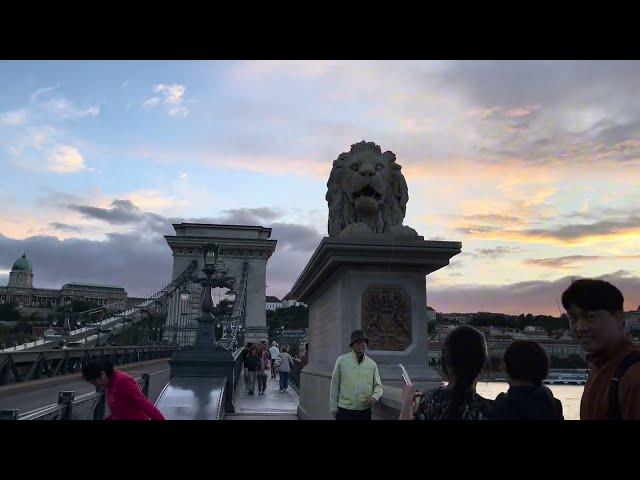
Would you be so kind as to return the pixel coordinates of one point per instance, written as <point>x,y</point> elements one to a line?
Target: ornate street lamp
<point>67,310</point>
<point>184,293</point>
<point>213,278</point>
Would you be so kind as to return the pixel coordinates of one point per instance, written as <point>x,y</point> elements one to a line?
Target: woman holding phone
<point>464,353</point>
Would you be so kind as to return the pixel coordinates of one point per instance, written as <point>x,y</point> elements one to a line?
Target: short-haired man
<point>596,317</point>
<point>355,383</point>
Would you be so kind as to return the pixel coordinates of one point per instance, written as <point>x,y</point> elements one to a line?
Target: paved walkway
<point>274,405</point>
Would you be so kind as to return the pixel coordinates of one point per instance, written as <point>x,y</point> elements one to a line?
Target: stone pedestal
<point>205,362</point>
<point>372,283</point>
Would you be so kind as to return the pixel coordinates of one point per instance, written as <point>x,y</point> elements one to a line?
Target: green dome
<point>22,264</point>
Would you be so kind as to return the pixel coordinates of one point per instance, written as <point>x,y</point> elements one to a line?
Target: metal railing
<point>19,367</point>
<point>117,318</point>
<point>90,406</point>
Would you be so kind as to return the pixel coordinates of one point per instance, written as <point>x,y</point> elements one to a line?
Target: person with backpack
<point>527,365</point>
<point>596,318</point>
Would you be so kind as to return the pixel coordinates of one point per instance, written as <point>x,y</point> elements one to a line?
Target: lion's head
<point>366,186</point>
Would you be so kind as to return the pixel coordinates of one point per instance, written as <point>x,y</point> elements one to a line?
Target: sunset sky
<point>532,165</point>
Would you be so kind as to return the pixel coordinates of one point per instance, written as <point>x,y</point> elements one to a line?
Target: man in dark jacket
<point>252,362</point>
<point>243,358</point>
<point>527,365</point>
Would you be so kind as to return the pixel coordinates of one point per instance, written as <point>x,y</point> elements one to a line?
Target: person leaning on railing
<point>125,400</point>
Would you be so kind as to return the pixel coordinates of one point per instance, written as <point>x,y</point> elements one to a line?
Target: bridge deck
<point>274,405</point>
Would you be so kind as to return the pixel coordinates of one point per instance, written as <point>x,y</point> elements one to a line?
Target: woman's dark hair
<point>464,353</point>
<point>590,294</point>
<point>526,360</point>
<point>95,367</point>
<point>284,349</point>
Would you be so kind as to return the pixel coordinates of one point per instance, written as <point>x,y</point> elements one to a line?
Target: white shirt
<point>275,353</point>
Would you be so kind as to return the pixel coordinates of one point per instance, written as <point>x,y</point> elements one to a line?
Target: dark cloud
<point>138,264</point>
<point>512,83</point>
<point>248,216</point>
<point>560,262</point>
<point>140,259</point>
<point>585,110</point>
<point>497,252</point>
<point>493,218</point>
<point>476,229</point>
<point>581,230</point>
<point>124,212</point>
<point>570,260</point>
<point>537,297</point>
<point>569,232</point>
<point>63,227</point>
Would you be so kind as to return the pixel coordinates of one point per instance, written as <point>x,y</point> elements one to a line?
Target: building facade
<point>20,290</point>
<point>273,303</point>
<point>632,320</point>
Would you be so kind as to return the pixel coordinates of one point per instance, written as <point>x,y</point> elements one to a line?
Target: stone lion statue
<point>367,194</point>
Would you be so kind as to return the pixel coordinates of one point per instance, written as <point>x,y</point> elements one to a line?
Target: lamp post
<point>208,358</point>
<point>66,329</point>
<point>213,278</point>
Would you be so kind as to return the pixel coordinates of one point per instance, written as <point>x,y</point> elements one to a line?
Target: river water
<point>569,395</point>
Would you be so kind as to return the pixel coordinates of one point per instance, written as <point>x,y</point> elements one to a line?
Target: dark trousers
<point>284,380</point>
<point>273,370</point>
<point>262,382</point>
<point>345,414</point>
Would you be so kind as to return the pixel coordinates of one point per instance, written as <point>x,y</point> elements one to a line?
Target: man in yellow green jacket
<point>355,383</point>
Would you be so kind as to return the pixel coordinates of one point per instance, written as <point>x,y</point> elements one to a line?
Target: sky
<point>532,165</point>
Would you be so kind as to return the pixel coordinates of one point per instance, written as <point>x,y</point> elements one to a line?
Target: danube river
<point>569,395</point>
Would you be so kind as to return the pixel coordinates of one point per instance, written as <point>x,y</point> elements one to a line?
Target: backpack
<point>614,387</point>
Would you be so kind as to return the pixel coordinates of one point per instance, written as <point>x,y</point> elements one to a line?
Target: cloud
<point>569,261</point>
<point>537,297</point>
<point>152,102</point>
<point>572,234</point>
<point>45,102</point>
<point>138,264</point>
<point>65,227</point>
<point>493,218</point>
<point>124,212</point>
<point>14,118</point>
<point>66,159</point>
<point>497,252</point>
<point>170,95</point>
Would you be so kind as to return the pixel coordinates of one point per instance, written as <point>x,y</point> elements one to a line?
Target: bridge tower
<point>238,244</point>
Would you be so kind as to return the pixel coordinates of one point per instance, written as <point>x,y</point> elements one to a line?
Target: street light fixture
<point>184,293</point>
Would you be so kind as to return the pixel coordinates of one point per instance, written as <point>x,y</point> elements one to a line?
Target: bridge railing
<point>237,371</point>
<point>114,320</point>
<point>90,406</point>
<point>19,367</point>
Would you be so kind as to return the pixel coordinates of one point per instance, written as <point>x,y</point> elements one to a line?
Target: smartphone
<point>405,375</point>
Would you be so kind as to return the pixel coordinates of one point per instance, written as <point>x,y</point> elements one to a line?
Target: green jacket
<point>353,383</point>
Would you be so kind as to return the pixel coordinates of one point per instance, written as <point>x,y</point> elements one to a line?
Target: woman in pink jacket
<point>125,400</point>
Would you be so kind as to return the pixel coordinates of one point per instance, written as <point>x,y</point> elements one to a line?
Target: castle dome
<point>22,264</point>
